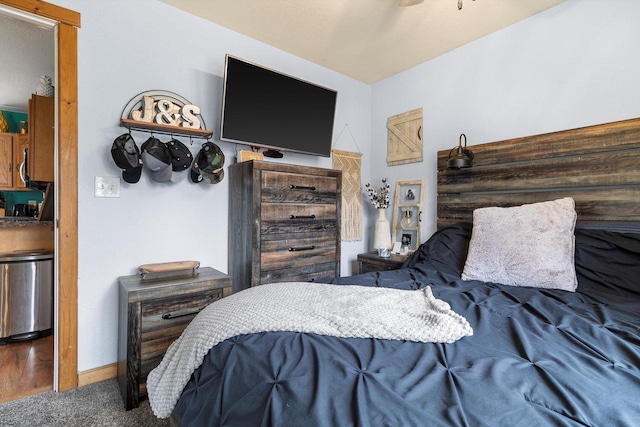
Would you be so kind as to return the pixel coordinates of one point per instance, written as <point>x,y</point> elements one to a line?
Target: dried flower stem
<point>379,200</point>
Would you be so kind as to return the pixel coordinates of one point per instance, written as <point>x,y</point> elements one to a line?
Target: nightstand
<point>371,261</point>
<point>153,312</point>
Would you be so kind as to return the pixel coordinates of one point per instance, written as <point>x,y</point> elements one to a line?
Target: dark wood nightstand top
<point>169,284</point>
<point>371,261</point>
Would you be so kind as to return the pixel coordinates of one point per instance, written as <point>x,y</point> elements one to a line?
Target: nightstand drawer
<point>166,313</point>
<point>163,320</point>
<point>371,261</point>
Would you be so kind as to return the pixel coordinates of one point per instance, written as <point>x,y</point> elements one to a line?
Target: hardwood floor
<point>26,368</point>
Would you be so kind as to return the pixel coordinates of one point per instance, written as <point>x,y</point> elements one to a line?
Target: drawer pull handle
<point>302,216</point>
<point>168,316</point>
<point>302,248</point>
<point>302,187</point>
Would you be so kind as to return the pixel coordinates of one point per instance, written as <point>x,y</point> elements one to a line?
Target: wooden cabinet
<point>284,223</point>
<point>41,138</point>
<point>153,312</point>
<point>12,147</point>
<point>39,143</point>
<point>371,261</point>
<point>20,143</point>
<point>6,160</point>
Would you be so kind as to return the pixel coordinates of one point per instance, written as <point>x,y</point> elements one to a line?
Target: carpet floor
<point>94,405</point>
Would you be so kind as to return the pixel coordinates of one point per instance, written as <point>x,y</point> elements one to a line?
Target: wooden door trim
<point>46,10</point>
<point>67,128</point>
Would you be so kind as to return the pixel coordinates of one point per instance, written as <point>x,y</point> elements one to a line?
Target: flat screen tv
<point>265,108</point>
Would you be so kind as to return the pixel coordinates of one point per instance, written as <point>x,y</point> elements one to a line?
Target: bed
<point>536,354</point>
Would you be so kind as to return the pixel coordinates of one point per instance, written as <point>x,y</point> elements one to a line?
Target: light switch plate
<point>107,186</point>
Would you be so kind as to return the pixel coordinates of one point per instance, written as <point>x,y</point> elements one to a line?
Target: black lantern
<point>463,157</point>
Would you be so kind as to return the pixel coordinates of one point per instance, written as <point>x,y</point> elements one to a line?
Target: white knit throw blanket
<point>334,310</point>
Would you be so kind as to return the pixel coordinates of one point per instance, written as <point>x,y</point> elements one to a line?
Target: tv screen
<point>264,108</point>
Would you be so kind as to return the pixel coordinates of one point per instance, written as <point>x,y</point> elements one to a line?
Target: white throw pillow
<point>528,245</point>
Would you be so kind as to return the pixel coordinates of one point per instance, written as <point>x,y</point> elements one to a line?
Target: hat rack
<point>137,104</point>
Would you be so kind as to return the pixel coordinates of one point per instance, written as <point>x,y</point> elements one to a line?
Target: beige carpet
<point>94,405</point>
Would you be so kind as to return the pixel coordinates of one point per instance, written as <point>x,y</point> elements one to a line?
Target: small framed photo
<point>407,212</point>
<point>410,195</point>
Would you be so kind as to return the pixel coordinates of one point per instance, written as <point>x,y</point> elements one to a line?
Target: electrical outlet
<point>107,186</point>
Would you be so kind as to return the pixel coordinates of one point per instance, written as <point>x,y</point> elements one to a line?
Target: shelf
<point>165,129</point>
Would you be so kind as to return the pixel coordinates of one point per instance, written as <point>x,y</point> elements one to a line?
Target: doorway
<point>66,23</point>
<point>27,361</point>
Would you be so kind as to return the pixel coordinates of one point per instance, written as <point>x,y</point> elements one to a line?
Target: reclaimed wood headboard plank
<point>591,139</point>
<point>599,166</point>
<point>609,169</point>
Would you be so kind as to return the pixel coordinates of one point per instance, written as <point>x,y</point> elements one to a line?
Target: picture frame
<point>407,202</point>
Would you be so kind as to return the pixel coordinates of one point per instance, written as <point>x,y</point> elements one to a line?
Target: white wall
<point>128,47</point>
<point>27,53</point>
<point>573,65</point>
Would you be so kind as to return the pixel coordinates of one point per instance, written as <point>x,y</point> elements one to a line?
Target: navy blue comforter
<point>537,357</point>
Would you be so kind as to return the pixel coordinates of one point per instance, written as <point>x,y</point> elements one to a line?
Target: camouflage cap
<point>208,164</point>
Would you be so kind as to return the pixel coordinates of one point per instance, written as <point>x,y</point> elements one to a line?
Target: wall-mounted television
<point>265,108</point>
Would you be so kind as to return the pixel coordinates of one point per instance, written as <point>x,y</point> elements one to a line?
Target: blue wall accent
<point>13,197</point>
<point>14,118</point>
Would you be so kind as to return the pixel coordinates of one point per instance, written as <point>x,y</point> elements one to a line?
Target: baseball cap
<point>208,164</point>
<point>181,159</point>
<point>126,156</point>
<point>156,158</point>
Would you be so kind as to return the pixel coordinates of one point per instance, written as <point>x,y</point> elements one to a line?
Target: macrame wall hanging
<point>350,164</point>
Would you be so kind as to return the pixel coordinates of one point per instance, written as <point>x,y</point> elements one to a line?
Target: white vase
<point>382,232</point>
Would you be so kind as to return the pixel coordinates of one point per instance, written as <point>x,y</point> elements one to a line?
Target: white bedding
<point>341,311</point>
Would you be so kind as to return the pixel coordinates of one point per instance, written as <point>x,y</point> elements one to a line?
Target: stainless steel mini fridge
<point>26,295</point>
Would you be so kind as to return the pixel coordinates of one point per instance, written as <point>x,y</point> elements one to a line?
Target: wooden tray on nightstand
<point>169,267</point>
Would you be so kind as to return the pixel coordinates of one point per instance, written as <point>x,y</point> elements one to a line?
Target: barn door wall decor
<point>404,138</point>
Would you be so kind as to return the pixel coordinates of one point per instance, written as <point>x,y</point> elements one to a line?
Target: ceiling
<point>368,40</point>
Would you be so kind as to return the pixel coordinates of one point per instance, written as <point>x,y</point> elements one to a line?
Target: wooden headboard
<point>599,166</point>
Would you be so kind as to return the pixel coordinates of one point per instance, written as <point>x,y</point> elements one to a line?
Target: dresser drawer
<point>322,273</point>
<point>163,320</point>
<point>279,187</point>
<point>310,257</point>
<point>294,218</point>
<point>287,253</point>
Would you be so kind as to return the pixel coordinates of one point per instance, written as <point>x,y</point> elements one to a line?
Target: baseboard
<point>97,374</point>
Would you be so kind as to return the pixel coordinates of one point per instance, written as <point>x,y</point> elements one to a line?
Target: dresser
<point>284,223</point>
<point>153,312</point>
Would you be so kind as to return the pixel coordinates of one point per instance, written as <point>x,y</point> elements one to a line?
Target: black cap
<point>157,160</point>
<point>126,156</point>
<point>181,159</point>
